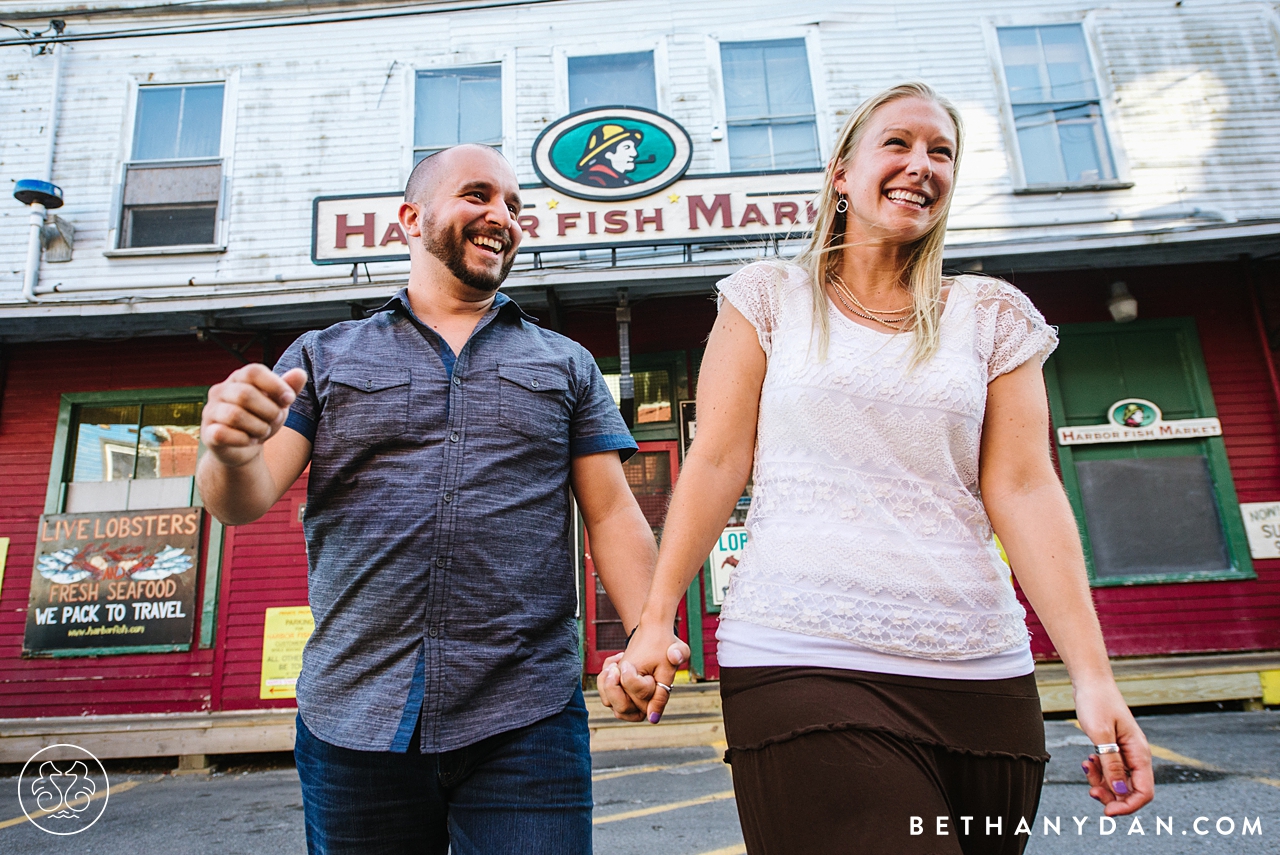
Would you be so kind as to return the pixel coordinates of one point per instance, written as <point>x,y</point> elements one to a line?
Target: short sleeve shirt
<point>437,523</point>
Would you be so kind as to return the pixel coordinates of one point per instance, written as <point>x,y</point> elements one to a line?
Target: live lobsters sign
<point>119,580</point>
<point>612,177</point>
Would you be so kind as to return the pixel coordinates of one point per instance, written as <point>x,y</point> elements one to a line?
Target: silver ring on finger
<point>1107,748</point>
<point>663,685</point>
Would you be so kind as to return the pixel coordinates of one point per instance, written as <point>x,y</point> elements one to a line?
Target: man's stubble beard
<point>450,246</point>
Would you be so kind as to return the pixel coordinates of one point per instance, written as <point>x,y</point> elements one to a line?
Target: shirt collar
<point>501,302</point>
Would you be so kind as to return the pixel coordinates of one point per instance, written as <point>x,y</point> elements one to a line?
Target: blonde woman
<point>876,671</point>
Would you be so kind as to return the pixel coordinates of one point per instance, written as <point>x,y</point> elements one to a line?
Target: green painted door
<point>1155,511</point>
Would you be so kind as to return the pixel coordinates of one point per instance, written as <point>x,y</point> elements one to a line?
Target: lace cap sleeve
<point>754,291</point>
<point>1011,329</point>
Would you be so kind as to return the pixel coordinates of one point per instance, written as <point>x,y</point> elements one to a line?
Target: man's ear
<point>411,219</point>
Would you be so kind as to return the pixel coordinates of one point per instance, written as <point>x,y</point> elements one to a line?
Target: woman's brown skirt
<point>829,761</point>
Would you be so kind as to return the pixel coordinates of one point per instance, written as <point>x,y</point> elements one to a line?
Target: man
<point>440,701</point>
<point>610,153</point>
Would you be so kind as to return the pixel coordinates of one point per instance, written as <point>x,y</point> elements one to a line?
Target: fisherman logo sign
<point>612,153</point>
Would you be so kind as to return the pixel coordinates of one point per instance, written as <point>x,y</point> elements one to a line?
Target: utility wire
<point>301,20</point>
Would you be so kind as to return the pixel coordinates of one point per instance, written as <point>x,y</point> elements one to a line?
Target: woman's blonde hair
<point>923,271</point>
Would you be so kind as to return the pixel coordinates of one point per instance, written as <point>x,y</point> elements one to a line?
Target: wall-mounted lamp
<point>1122,305</point>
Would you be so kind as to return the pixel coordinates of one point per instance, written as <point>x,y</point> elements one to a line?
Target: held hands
<point>1122,781</point>
<point>246,410</point>
<point>629,682</point>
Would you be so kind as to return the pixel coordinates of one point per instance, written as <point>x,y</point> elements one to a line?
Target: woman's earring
<point>842,205</point>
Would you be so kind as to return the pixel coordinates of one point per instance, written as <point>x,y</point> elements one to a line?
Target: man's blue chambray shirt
<point>437,524</point>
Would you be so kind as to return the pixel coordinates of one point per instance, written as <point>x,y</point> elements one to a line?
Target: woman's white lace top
<point>865,523</point>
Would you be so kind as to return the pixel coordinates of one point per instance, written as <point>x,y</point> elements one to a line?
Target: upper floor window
<point>768,101</point>
<point>173,182</point>
<point>617,79</point>
<point>457,105</point>
<point>1057,110</point>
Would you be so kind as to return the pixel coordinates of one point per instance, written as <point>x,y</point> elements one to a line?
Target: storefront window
<point>131,456</point>
<point>1161,506</point>
<point>653,395</point>
<point>612,80</point>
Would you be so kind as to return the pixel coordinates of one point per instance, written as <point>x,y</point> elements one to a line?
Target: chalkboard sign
<point>1152,515</point>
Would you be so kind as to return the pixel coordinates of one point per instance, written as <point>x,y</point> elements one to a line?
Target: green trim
<point>1213,448</point>
<point>212,579</point>
<point>697,659</point>
<point>115,651</point>
<point>712,608</point>
<point>53,495</point>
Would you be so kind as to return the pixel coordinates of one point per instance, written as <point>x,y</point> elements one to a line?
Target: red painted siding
<point>264,566</point>
<point>265,563</point>
<point>1197,617</point>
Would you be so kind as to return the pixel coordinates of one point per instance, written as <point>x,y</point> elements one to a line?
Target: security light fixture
<point>1122,305</point>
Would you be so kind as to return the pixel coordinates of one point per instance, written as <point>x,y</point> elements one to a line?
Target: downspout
<point>1252,287</point>
<point>626,383</point>
<point>32,273</point>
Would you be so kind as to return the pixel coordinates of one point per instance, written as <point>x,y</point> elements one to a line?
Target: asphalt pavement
<point>1218,791</point>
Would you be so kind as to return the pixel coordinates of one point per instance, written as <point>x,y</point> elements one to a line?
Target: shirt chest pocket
<point>532,401</point>
<point>368,406</point>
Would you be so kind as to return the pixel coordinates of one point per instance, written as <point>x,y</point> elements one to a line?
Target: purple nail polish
<point>1120,788</point>
<point>654,717</point>
<point>1085,766</point>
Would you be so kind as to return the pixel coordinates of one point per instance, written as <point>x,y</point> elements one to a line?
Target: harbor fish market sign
<point>613,177</point>
<point>1138,420</point>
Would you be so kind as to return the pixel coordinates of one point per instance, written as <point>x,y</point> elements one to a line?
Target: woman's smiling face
<point>900,173</point>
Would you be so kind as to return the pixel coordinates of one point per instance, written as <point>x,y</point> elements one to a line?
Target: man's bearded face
<point>451,243</point>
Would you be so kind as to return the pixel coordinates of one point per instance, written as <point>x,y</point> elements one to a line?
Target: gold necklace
<point>840,284</point>
<point>888,323</point>
<point>840,289</point>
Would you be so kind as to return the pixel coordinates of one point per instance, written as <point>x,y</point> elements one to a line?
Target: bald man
<point>440,702</point>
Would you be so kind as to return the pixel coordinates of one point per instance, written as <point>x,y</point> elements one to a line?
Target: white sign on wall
<point>1137,420</point>
<point>1262,524</point>
<point>702,209</point>
<point>726,555</point>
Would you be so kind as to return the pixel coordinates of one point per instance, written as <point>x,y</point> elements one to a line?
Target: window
<point>1151,511</point>
<point>1057,111</point>
<point>131,454</point>
<point>620,79</point>
<point>653,395</point>
<point>457,105</point>
<point>173,181</point>
<point>135,450</point>
<point>768,103</point>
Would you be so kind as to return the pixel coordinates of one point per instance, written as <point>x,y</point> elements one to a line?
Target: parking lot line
<point>649,811</point>
<point>740,849</point>
<point>36,814</point>
<point>1183,760</point>
<point>640,770</point>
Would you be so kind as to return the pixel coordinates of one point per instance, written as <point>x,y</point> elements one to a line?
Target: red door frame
<point>593,659</point>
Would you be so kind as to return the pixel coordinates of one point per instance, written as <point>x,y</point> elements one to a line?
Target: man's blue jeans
<point>526,791</point>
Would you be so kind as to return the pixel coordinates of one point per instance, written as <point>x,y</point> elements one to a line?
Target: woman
<point>876,671</point>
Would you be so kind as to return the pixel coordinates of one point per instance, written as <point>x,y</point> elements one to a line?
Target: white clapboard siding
<point>320,110</point>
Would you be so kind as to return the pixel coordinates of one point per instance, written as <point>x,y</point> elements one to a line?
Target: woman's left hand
<point>1122,781</point>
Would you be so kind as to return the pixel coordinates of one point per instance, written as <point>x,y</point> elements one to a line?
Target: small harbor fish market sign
<point>613,177</point>
<point>1138,420</point>
<point>115,582</point>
